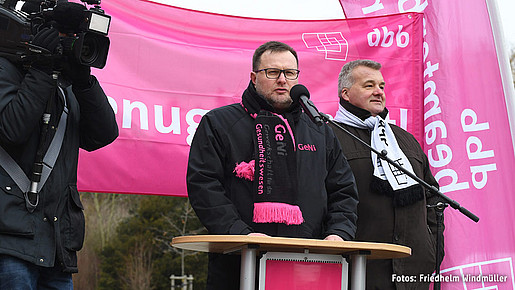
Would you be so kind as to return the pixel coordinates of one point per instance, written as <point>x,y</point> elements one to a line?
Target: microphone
<point>301,93</point>
<point>68,15</point>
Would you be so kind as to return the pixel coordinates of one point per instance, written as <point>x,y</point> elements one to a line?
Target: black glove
<point>47,38</point>
<point>78,74</point>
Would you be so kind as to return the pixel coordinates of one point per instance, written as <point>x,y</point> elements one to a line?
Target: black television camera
<point>83,31</point>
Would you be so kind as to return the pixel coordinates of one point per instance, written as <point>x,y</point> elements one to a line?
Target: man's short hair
<point>345,79</point>
<point>272,46</point>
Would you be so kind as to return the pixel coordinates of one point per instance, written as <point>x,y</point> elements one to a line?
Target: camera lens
<point>90,51</point>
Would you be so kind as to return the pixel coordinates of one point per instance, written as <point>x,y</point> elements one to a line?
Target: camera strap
<point>17,174</point>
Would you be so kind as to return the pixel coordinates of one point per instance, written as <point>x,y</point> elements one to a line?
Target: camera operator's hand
<point>47,38</point>
<point>78,74</point>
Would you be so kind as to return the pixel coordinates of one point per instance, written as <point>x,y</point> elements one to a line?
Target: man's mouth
<point>281,90</point>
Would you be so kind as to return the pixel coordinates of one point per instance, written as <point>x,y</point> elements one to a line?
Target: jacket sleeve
<point>98,125</point>
<point>23,99</point>
<point>342,193</point>
<point>205,183</point>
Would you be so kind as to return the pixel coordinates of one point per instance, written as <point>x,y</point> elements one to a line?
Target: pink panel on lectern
<point>297,275</point>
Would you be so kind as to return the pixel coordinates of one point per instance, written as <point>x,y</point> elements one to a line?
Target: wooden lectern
<point>251,245</point>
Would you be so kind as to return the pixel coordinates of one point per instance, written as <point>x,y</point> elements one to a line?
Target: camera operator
<point>42,229</point>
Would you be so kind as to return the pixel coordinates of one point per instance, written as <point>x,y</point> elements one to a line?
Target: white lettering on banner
<point>473,126</point>
<point>432,97</point>
<point>174,127</point>
<point>431,131</point>
<point>479,173</point>
<point>403,119</point>
<point>419,7</point>
<point>444,154</point>
<point>192,125</point>
<point>441,155</point>
<point>478,154</point>
<point>483,171</point>
<point>430,69</point>
<point>175,123</point>
<point>424,33</point>
<point>127,114</point>
<point>454,185</point>
<point>474,148</point>
<point>402,38</point>
<point>113,104</point>
<point>373,8</point>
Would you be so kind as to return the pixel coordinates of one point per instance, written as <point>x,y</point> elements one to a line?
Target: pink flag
<point>467,136</point>
<point>168,66</point>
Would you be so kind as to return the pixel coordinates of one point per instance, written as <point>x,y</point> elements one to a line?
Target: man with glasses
<point>262,167</point>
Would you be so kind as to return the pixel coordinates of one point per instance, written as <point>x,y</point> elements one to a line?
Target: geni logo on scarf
<point>280,130</point>
<point>307,147</point>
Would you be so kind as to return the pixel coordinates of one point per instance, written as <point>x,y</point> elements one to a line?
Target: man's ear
<point>345,94</point>
<point>253,77</point>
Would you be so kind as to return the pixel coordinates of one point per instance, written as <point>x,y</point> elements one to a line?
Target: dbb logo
<point>387,37</point>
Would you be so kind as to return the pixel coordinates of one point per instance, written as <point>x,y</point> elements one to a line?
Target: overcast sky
<point>320,9</point>
<point>506,10</point>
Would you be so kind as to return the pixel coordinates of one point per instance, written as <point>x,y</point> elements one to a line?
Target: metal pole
<point>190,282</point>
<point>248,267</point>
<point>172,281</point>
<point>358,272</point>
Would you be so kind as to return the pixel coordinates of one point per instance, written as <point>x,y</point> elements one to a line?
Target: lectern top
<point>233,243</point>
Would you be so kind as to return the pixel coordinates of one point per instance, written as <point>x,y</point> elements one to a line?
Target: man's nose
<point>281,78</point>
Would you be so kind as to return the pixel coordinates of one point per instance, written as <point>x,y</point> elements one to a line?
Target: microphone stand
<point>439,207</point>
<point>383,156</point>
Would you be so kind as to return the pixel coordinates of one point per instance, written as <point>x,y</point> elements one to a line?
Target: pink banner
<point>168,66</point>
<point>467,136</point>
<point>303,275</point>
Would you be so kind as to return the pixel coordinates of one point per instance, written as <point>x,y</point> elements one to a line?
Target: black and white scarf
<point>403,188</point>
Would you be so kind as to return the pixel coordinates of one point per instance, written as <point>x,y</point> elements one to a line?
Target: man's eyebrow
<point>373,81</point>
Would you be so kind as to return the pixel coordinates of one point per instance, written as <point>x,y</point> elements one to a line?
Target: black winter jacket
<point>55,230</point>
<point>412,224</point>
<point>224,203</point>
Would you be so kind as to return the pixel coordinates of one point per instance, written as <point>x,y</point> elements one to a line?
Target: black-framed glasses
<point>274,73</point>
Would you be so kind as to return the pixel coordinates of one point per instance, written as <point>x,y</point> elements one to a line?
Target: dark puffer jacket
<point>224,202</point>
<point>55,230</point>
